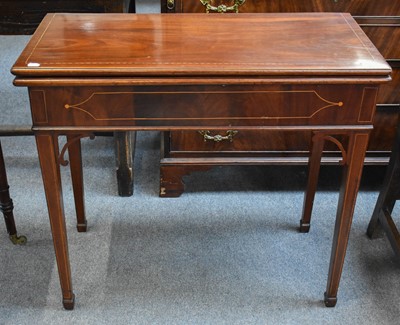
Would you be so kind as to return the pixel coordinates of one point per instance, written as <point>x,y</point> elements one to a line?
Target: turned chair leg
<point>6,205</point>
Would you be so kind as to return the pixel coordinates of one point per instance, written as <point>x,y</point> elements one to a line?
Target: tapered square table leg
<point>47,145</point>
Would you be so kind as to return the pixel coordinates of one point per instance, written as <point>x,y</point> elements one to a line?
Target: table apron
<point>216,106</point>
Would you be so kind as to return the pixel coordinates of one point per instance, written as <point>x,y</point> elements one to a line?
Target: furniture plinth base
<point>173,168</point>
<point>171,183</point>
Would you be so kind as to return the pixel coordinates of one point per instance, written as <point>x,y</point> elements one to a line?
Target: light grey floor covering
<point>226,252</point>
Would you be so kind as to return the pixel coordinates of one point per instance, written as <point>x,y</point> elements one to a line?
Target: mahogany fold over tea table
<point>116,72</point>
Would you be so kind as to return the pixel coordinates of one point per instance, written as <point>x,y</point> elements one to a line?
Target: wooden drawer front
<point>384,33</point>
<point>355,7</point>
<point>385,126</point>
<point>248,143</point>
<point>389,93</point>
<point>192,141</point>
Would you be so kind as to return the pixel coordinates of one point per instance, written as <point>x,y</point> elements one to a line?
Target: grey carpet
<point>226,252</point>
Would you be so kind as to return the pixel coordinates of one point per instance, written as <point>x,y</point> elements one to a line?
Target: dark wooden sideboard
<point>23,16</point>
<point>187,151</point>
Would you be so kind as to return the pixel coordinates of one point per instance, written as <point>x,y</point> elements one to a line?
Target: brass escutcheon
<point>222,8</point>
<point>218,137</point>
<point>170,4</point>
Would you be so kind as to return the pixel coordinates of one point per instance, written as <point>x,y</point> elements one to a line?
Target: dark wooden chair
<point>389,194</point>
<point>6,205</point>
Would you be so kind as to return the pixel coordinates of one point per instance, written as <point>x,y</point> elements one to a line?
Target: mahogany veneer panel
<point>355,7</point>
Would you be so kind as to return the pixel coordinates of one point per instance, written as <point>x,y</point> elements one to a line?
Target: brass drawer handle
<point>170,4</point>
<point>218,138</point>
<point>222,8</point>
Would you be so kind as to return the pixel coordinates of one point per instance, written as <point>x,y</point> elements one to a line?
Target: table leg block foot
<point>304,227</point>
<point>125,185</point>
<point>124,151</point>
<point>81,227</point>
<point>18,240</point>
<point>329,301</point>
<point>374,229</point>
<point>371,233</point>
<point>69,304</point>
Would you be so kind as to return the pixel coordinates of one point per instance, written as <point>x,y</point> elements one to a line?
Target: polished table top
<point>195,44</point>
